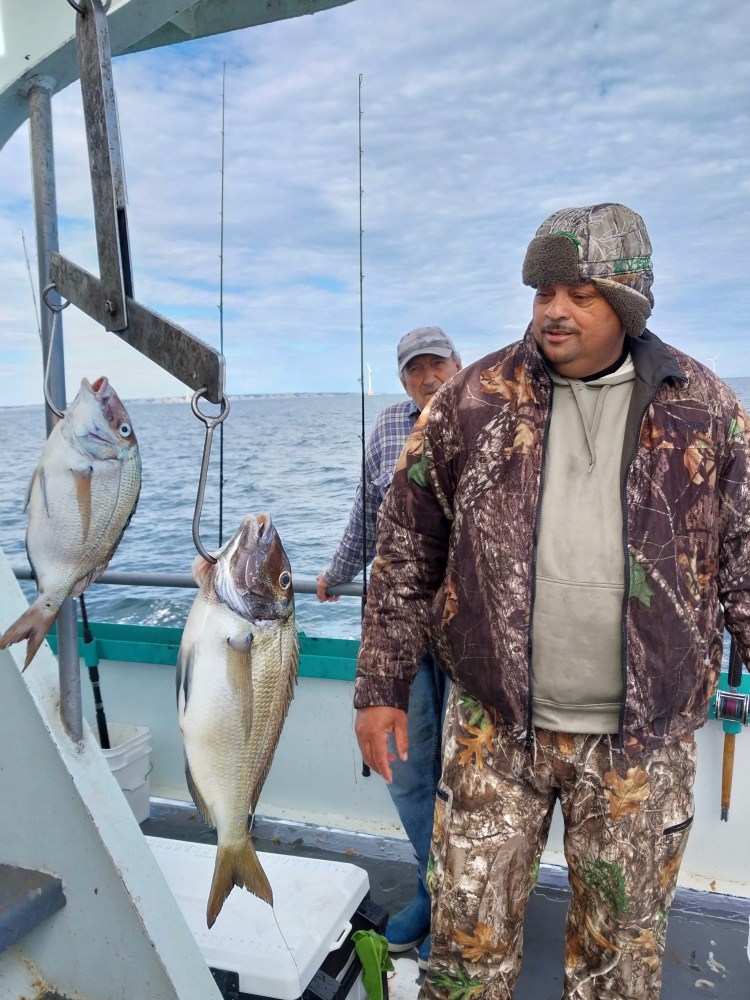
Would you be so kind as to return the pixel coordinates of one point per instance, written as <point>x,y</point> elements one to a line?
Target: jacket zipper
<point>626,592</point>
<point>529,742</point>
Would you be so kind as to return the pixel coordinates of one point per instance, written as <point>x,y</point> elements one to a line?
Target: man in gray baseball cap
<point>426,359</point>
<point>424,340</point>
<point>572,534</point>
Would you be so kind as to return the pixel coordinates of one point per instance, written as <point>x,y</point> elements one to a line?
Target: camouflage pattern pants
<point>626,826</point>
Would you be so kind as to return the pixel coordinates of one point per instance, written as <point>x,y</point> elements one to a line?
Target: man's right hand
<point>372,728</point>
<point>322,590</point>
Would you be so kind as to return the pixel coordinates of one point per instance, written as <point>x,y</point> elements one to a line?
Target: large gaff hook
<point>55,308</point>
<point>211,423</point>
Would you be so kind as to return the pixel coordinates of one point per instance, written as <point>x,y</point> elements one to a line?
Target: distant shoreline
<point>232,397</point>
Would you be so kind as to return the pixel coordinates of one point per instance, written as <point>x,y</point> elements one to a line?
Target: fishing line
<point>289,949</point>
<point>31,282</point>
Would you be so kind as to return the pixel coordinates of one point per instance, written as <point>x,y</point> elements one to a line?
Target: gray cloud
<point>478,121</point>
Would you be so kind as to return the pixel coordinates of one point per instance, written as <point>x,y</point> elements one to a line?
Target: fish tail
<point>33,625</point>
<point>236,866</point>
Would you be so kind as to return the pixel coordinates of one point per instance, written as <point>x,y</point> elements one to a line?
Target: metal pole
<point>45,221</point>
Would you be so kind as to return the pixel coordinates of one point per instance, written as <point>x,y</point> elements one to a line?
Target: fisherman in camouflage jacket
<point>570,527</point>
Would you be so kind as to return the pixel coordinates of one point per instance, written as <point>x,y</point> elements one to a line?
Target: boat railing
<point>302,584</point>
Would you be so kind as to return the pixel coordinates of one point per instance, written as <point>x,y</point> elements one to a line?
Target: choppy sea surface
<point>298,458</point>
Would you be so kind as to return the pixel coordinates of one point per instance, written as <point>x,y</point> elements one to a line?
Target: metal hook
<point>55,308</point>
<point>211,423</point>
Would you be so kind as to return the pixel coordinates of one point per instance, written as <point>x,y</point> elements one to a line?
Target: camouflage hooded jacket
<point>457,535</point>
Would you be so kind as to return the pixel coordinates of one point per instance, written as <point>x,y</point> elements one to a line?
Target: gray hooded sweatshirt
<point>577,648</point>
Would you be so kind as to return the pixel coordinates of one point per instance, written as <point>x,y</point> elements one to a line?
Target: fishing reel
<point>734,707</point>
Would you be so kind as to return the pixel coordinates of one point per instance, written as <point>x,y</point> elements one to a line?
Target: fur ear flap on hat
<point>606,245</point>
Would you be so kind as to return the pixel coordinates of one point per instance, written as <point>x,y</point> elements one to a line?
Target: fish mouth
<point>99,387</point>
<point>255,531</point>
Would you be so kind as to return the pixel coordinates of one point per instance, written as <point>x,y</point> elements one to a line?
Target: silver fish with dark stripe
<point>80,500</point>
<point>236,671</point>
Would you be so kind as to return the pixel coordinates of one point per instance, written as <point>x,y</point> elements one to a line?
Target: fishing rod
<point>732,709</point>
<point>362,360</point>
<point>221,300</point>
<point>365,767</point>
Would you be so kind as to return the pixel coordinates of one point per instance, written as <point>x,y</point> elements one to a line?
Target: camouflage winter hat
<point>605,244</point>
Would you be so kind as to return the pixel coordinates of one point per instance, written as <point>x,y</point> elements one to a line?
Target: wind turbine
<point>369,381</point>
<point>713,361</point>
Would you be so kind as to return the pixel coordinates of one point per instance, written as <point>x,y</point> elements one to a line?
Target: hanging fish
<point>236,670</point>
<point>80,500</point>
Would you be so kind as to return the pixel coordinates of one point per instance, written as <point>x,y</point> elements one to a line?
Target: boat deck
<point>707,952</point>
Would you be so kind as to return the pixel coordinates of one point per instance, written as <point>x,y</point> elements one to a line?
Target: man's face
<point>577,330</point>
<point>424,374</point>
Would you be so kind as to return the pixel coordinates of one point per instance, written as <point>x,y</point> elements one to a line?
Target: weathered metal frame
<point>168,345</point>
<point>105,163</point>
<point>107,299</point>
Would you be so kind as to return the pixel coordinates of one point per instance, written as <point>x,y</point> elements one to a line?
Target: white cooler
<point>300,948</point>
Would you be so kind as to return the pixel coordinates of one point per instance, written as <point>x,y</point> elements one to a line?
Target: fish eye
<point>125,430</point>
<point>285,580</point>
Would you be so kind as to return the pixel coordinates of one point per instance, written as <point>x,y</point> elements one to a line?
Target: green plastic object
<point>372,951</point>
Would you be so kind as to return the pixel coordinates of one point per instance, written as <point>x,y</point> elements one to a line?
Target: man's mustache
<point>558,326</point>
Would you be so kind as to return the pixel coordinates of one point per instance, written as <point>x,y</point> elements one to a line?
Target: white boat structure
<point>81,888</point>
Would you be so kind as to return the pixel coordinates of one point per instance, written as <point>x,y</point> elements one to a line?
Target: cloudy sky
<point>479,119</point>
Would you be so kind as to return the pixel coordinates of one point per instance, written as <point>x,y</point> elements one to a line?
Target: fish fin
<point>33,625</point>
<point>240,676</point>
<point>201,568</point>
<point>82,479</point>
<point>87,580</point>
<point>197,797</point>
<point>241,645</point>
<point>38,473</point>
<point>236,866</point>
<point>291,683</point>
<point>184,675</point>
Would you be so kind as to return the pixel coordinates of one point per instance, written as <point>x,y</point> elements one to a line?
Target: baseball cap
<point>423,340</point>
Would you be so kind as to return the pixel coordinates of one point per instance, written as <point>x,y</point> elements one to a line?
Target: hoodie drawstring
<point>590,428</point>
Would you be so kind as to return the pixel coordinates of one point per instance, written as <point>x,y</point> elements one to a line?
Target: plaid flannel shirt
<point>384,445</point>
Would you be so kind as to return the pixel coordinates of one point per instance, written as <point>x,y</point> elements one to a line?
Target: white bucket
<point>129,759</point>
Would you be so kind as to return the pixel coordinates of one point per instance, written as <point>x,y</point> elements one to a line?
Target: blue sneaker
<point>408,928</point>
<point>423,955</point>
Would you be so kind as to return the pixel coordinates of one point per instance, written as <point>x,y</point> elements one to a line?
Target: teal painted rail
<point>333,659</point>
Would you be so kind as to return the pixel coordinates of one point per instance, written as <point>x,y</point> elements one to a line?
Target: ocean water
<point>298,458</point>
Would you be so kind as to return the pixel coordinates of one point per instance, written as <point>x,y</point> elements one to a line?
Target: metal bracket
<point>105,162</point>
<point>108,299</point>
<point>170,346</point>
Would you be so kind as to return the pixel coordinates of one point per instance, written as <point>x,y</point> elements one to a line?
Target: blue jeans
<point>415,780</point>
